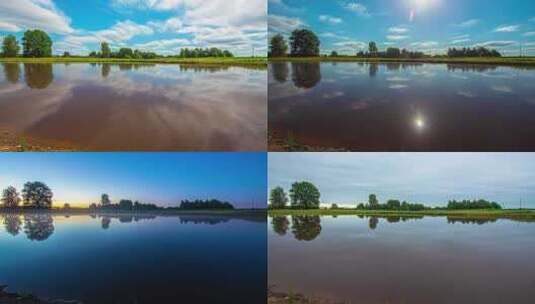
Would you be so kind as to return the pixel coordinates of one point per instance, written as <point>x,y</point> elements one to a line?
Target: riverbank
<point>236,61</point>
<point>515,214</point>
<point>508,61</point>
<point>285,298</point>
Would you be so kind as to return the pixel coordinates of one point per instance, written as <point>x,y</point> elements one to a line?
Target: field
<point>516,61</point>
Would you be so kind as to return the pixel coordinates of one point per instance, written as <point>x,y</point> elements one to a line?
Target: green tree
<point>306,228</point>
<point>37,195</point>
<point>304,43</point>
<point>38,76</point>
<point>10,197</point>
<point>36,43</point>
<point>278,46</point>
<point>10,46</point>
<point>304,195</point>
<point>280,224</point>
<point>126,204</point>
<point>372,48</point>
<point>393,52</point>
<point>372,200</point>
<point>105,200</point>
<point>125,53</point>
<point>278,198</point>
<point>105,50</point>
<point>334,54</point>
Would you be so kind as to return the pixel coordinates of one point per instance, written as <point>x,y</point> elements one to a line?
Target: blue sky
<point>161,178</point>
<point>430,178</point>
<point>431,25</point>
<point>164,26</point>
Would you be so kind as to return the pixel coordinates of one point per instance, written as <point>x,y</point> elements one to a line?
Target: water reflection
<point>374,67</point>
<point>105,222</point>
<point>38,227</point>
<point>106,68</point>
<point>280,224</point>
<point>38,76</point>
<point>372,222</point>
<point>12,72</point>
<point>12,224</point>
<point>306,228</point>
<point>478,221</point>
<point>306,75</point>
<point>196,219</point>
<point>280,71</point>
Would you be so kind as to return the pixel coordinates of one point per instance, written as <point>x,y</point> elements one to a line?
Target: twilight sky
<point>430,25</point>
<point>430,178</point>
<point>163,26</point>
<point>161,178</point>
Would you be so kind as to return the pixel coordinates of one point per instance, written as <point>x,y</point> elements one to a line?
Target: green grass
<point>239,61</point>
<point>522,214</point>
<point>517,61</point>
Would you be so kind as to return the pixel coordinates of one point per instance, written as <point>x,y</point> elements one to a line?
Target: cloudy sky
<point>430,178</point>
<point>161,178</point>
<point>163,26</point>
<point>430,25</point>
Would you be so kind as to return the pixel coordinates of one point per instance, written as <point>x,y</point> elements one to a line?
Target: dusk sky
<point>429,25</point>
<point>429,178</point>
<point>160,178</point>
<point>163,26</point>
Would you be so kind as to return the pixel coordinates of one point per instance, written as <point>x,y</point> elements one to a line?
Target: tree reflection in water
<point>38,227</point>
<point>105,223</point>
<point>372,223</point>
<point>306,228</point>
<point>280,71</point>
<point>280,224</point>
<point>12,223</point>
<point>38,75</point>
<point>12,72</point>
<point>306,75</point>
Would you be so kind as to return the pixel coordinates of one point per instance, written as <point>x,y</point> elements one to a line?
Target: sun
<point>422,5</point>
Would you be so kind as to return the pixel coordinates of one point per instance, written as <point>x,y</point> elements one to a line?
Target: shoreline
<point>500,61</point>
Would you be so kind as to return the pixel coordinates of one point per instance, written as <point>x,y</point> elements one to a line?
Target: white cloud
<point>330,19</point>
<point>283,24</point>
<point>397,37</point>
<point>30,14</point>
<point>463,36</point>
<point>496,43</point>
<point>458,41</point>
<point>358,8</point>
<point>398,30</point>
<point>507,28</point>
<point>469,23</point>
<point>529,34</point>
<point>351,44</point>
<point>424,44</point>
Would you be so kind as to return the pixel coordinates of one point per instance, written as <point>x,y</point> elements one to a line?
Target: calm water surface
<point>402,106</point>
<point>135,107</point>
<point>135,259</point>
<point>401,260</point>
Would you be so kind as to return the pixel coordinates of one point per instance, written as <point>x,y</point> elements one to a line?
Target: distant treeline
<point>37,43</point>
<point>305,43</point>
<point>205,204</point>
<point>305,195</point>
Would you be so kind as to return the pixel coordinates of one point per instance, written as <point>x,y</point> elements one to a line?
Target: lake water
<point>402,106</point>
<point>135,259</point>
<point>135,107</point>
<point>402,260</point>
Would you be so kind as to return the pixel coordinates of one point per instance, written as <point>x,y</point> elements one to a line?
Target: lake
<point>135,259</point>
<point>401,107</point>
<point>402,260</point>
<point>141,107</point>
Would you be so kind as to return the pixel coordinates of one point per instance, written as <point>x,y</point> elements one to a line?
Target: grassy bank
<point>521,214</point>
<point>516,61</point>
<point>236,61</point>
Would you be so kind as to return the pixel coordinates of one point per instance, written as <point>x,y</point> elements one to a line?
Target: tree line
<point>36,195</point>
<point>37,43</point>
<point>305,43</point>
<point>205,204</point>
<point>305,195</point>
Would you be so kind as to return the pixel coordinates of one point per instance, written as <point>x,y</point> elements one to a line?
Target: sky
<point>161,178</point>
<point>428,178</point>
<point>430,25</point>
<point>163,26</point>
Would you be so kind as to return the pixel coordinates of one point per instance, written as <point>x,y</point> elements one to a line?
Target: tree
<point>372,48</point>
<point>10,197</point>
<point>105,200</point>
<point>280,224</point>
<point>393,205</point>
<point>36,43</point>
<point>278,198</point>
<point>125,53</point>
<point>304,43</point>
<point>105,50</point>
<point>126,204</point>
<point>67,206</point>
<point>306,228</point>
<point>334,54</point>
<point>37,195</point>
<point>38,76</point>
<point>334,206</point>
<point>304,195</point>
<point>66,54</point>
<point>393,52</point>
<point>372,200</point>
<point>10,46</point>
<point>278,46</point>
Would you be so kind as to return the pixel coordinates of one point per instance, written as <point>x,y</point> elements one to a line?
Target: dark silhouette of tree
<point>37,195</point>
<point>125,53</point>
<point>278,46</point>
<point>10,46</point>
<point>278,198</point>
<point>306,75</point>
<point>67,206</point>
<point>393,205</point>
<point>38,227</point>
<point>105,223</point>
<point>66,54</point>
<point>473,52</point>
<point>304,42</point>
<point>126,204</point>
<point>201,53</point>
<point>12,223</point>
<point>334,54</point>
<point>10,197</point>
<point>106,68</point>
<point>372,201</point>
<point>280,71</point>
<point>393,219</point>
<point>36,43</point>
<point>372,48</point>
<point>205,204</point>
<point>372,223</point>
<point>38,75</point>
<point>105,200</point>
<point>392,52</point>
<point>280,224</point>
<point>475,204</point>
<point>374,67</point>
<point>12,72</point>
<point>306,228</point>
<point>105,50</point>
<point>304,195</point>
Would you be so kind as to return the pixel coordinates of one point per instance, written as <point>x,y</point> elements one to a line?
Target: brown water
<point>403,260</point>
<point>135,107</point>
<point>402,106</point>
